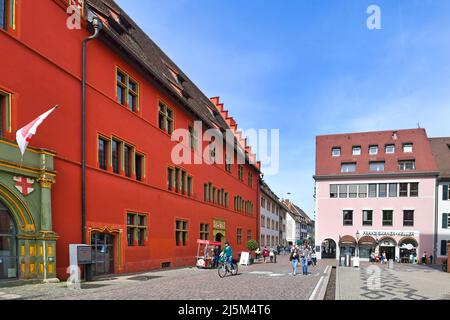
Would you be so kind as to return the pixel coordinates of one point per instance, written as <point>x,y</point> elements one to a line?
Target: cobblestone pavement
<point>271,281</point>
<point>403,282</point>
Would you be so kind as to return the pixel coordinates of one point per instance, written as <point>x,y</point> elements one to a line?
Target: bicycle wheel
<point>235,269</point>
<point>222,270</point>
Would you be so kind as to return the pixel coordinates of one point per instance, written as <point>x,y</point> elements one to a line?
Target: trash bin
<point>356,262</point>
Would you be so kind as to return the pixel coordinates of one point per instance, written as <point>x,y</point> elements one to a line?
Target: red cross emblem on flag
<point>24,185</point>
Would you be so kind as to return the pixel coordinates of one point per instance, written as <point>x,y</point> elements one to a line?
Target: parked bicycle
<point>227,267</point>
<point>444,266</point>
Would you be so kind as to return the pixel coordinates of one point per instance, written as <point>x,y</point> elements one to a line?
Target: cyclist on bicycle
<point>228,254</point>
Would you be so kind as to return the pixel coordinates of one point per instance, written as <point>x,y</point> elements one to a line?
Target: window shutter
<point>443,247</point>
<point>444,220</point>
<point>445,192</point>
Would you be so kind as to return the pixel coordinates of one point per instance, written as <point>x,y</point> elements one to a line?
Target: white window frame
<point>407,145</point>
<point>356,151</point>
<point>333,152</point>
<point>373,148</point>
<point>346,165</point>
<point>386,148</point>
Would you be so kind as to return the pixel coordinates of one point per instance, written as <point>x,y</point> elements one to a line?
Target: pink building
<point>375,193</point>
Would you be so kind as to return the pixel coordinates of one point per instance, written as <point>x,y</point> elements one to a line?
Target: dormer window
<point>348,167</point>
<point>336,152</point>
<point>373,150</point>
<point>356,151</point>
<point>407,147</point>
<point>407,165</point>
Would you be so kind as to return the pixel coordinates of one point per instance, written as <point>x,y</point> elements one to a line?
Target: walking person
<point>294,261</point>
<point>383,257</point>
<point>304,261</point>
<point>314,259</point>
<point>265,253</point>
<point>431,258</point>
<point>271,254</point>
<point>216,256</point>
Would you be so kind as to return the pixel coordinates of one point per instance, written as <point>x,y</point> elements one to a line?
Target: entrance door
<point>219,237</point>
<point>390,252</point>
<point>102,254</point>
<point>8,245</point>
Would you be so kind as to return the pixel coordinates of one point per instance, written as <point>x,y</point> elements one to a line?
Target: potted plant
<point>252,245</point>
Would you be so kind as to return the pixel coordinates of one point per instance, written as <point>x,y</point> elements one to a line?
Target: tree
<point>252,245</point>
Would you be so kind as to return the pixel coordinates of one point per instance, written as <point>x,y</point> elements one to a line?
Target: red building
<point>142,211</point>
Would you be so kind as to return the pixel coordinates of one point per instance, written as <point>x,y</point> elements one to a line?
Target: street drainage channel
<point>143,278</point>
<point>330,293</point>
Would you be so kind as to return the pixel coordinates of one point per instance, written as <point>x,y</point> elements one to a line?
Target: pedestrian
<point>372,257</point>
<point>431,259</point>
<point>257,253</point>
<point>265,253</point>
<point>216,256</point>
<point>304,261</point>
<point>424,258</point>
<point>383,257</point>
<point>271,254</point>
<point>294,261</point>
<point>314,259</point>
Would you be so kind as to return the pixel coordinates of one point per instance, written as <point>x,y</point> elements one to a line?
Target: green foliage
<point>252,245</point>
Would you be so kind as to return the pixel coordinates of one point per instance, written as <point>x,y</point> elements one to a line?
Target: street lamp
<point>357,243</point>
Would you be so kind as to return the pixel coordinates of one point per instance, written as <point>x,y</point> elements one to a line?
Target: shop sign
<point>389,233</point>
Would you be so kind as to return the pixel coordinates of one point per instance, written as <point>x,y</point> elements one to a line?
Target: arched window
<point>8,244</point>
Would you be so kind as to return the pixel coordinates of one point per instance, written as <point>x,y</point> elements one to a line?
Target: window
<point>193,137</point>
<point>372,190</point>
<point>444,246</point>
<point>356,151</point>
<point>403,190</point>
<point>348,167</point>
<point>2,109</point>
<point>165,118</point>
<point>263,202</point>
<point>407,165</point>
<point>127,91</point>
<point>373,150</point>
<point>408,218</point>
<point>239,236</point>
<point>3,11</point>
<point>407,147</point>
<point>263,221</point>
<point>367,217</point>
<point>170,177</point>
<point>333,190</point>
<point>204,231</point>
<point>177,179</point>
<point>136,229</point>
<point>348,217</point>
<point>353,191</point>
<point>130,229</point>
<point>241,172</point>
<point>336,152</point>
<point>445,192</point>
<point>376,166</point>
<point>189,186</point>
<point>445,220</point>
<point>343,190</point>
<point>249,235</point>
<point>382,190</point>
<point>139,162</point>
<point>127,152</point>
<point>115,150</point>
<point>181,232</point>
<point>388,218</point>
<point>250,179</point>
<point>103,153</point>
<point>392,190</point>
<point>362,191</point>
<point>228,164</point>
<point>414,189</point>
<point>390,148</point>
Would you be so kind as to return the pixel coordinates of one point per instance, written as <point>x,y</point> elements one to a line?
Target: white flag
<point>24,134</point>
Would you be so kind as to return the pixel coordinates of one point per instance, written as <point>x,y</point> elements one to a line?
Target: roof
<point>296,212</point>
<point>328,165</point>
<point>441,151</point>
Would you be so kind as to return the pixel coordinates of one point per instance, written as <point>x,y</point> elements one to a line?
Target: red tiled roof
<point>441,151</point>
<point>326,164</point>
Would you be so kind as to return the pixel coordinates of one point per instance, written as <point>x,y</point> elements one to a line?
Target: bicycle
<point>226,267</point>
<point>444,266</point>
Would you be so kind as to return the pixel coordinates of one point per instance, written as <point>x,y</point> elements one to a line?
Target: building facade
<point>143,210</point>
<point>375,192</point>
<point>441,152</point>
<point>269,217</point>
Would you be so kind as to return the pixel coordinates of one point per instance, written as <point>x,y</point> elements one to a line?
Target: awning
<point>348,241</point>
<point>367,241</point>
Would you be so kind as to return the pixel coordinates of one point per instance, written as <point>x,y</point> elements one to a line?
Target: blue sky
<point>310,67</point>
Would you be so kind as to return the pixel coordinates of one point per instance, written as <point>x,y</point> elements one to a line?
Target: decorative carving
<point>45,182</point>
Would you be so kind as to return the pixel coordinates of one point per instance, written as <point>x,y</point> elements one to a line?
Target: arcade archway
<point>328,250</point>
<point>8,244</point>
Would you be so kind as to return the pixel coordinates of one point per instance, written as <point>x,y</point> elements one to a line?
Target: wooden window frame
<point>137,228</point>
<point>107,143</point>
<point>184,232</point>
<point>125,87</point>
<point>168,122</point>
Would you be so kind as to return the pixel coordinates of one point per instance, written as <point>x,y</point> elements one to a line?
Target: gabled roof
<point>441,151</point>
<point>133,41</point>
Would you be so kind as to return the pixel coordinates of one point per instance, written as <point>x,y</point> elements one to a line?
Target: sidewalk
<point>403,282</point>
